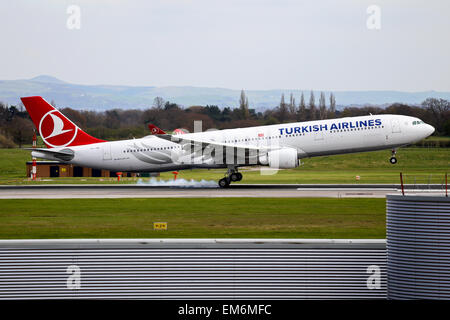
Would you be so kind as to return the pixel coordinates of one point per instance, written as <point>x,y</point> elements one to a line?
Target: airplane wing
<point>208,151</point>
<point>64,154</point>
<point>182,140</point>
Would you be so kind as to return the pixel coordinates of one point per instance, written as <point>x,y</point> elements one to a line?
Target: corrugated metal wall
<point>193,269</point>
<point>418,244</point>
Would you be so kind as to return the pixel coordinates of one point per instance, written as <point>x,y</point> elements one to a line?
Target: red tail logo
<point>55,129</point>
<point>155,130</point>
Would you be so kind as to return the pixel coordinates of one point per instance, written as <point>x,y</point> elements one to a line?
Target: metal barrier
<point>192,269</point>
<point>418,247</point>
<point>421,183</point>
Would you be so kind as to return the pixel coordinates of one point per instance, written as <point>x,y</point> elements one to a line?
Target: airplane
<point>279,146</point>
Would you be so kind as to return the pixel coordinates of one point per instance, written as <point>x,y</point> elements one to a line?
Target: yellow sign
<point>159,225</point>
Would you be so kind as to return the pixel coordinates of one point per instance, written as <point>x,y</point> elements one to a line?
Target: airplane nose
<point>430,130</point>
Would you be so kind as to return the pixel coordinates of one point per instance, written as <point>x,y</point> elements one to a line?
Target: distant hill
<point>46,79</point>
<point>101,97</point>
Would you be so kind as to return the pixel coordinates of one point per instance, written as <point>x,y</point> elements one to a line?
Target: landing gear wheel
<point>232,176</point>
<point>393,160</point>
<point>235,176</point>
<point>224,182</point>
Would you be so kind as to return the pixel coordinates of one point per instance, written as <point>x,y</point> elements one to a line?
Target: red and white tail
<point>155,130</point>
<point>55,129</point>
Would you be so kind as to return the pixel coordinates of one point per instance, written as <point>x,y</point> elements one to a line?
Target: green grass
<point>437,138</point>
<point>417,164</point>
<point>193,218</point>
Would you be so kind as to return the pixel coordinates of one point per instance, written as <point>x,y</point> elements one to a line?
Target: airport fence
<point>414,183</point>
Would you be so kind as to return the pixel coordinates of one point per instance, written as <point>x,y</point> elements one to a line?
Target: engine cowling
<point>285,158</point>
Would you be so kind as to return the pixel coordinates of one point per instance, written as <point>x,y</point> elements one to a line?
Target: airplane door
<point>395,126</point>
<point>107,152</point>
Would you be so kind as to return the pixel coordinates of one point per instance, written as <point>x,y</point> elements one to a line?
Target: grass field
<point>222,217</point>
<point>193,218</point>
<point>421,165</point>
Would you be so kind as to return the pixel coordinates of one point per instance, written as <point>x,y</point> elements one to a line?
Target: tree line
<point>16,128</point>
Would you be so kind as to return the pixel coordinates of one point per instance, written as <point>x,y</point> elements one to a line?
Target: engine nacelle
<point>285,158</point>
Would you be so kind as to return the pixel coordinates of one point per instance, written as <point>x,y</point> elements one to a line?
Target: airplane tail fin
<point>55,129</point>
<point>155,130</point>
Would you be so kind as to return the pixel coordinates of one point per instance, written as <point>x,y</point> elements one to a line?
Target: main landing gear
<point>393,159</point>
<point>232,176</point>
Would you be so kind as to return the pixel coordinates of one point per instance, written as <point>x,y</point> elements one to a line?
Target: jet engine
<point>285,158</point>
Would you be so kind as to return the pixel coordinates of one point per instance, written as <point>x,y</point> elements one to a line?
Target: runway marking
<point>239,191</point>
<point>359,194</point>
<point>191,193</point>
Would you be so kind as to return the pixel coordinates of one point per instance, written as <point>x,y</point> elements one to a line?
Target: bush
<point>433,143</point>
<point>6,143</point>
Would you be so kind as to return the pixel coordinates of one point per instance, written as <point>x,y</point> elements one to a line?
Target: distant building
<point>55,169</point>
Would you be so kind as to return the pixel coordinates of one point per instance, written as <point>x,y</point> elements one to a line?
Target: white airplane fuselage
<point>310,139</point>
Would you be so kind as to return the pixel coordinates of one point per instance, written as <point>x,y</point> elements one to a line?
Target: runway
<point>238,190</point>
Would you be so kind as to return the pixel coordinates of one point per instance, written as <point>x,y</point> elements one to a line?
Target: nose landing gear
<point>232,176</point>
<point>393,159</point>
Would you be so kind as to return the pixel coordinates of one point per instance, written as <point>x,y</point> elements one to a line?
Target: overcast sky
<point>250,44</point>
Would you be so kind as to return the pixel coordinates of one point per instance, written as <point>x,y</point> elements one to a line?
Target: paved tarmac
<point>253,191</point>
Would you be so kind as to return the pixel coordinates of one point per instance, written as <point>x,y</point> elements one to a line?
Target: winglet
<point>154,129</point>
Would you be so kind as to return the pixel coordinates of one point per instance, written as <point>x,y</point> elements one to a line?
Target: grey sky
<point>250,44</point>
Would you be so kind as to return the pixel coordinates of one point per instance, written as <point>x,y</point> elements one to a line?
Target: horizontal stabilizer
<point>64,154</point>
